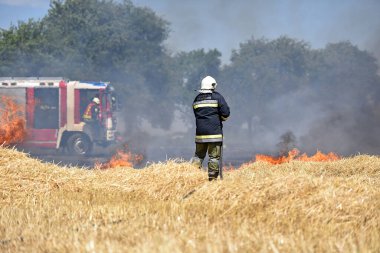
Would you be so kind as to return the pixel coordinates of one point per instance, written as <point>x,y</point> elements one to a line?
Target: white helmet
<point>208,83</point>
<point>96,100</point>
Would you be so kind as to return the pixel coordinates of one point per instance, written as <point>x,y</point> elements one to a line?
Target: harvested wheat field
<point>171,207</point>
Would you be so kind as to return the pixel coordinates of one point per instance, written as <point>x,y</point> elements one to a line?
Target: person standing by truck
<point>91,117</point>
<point>91,114</point>
<point>210,109</point>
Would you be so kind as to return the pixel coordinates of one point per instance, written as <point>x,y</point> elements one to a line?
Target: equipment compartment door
<point>43,116</point>
<point>46,111</point>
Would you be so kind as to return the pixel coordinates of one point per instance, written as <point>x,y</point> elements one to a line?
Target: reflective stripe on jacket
<point>91,112</point>
<point>210,109</point>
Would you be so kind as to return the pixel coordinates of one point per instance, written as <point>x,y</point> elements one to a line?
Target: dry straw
<point>171,207</point>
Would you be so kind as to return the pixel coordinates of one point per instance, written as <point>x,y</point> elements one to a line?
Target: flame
<point>294,155</point>
<point>12,118</point>
<point>122,158</point>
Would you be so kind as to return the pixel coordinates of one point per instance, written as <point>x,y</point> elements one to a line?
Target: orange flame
<point>294,154</point>
<point>12,118</point>
<point>122,158</point>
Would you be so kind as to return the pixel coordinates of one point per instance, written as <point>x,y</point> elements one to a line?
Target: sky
<point>224,24</point>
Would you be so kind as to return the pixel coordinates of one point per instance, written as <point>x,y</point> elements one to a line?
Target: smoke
<point>373,42</point>
<point>347,132</point>
<point>310,121</point>
<point>287,143</point>
<point>17,94</point>
<point>298,119</point>
<point>287,118</point>
<point>223,24</point>
<point>340,119</point>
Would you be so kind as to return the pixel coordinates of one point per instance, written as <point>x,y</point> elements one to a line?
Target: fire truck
<point>54,108</point>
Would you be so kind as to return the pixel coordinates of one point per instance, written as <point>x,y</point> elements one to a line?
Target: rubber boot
<point>212,175</point>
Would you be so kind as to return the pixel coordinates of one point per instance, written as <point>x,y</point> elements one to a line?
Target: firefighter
<point>91,118</point>
<point>91,114</point>
<point>210,109</point>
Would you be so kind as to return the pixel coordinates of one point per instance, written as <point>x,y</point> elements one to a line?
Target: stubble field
<point>171,207</point>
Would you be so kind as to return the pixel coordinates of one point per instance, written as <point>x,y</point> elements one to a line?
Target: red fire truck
<point>54,109</point>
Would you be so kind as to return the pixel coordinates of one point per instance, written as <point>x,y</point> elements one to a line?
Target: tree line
<point>324,96</point>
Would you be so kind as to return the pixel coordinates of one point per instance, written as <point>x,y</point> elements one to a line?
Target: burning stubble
<point>12,117</point>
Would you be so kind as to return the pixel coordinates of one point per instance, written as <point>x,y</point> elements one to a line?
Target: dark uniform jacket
<point>210,109</point>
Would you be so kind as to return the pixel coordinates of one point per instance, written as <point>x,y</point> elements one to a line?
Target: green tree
<point>22,50</point>
<point>188,70</point>
<point>191,67</point>
<point>344,74</point>
<point>107,40</point>
<point>104,37</point>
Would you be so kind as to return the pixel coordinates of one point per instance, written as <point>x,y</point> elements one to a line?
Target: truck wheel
<point>79,144</point>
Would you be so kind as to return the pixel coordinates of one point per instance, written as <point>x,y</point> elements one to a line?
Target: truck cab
<point>54,108</point>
